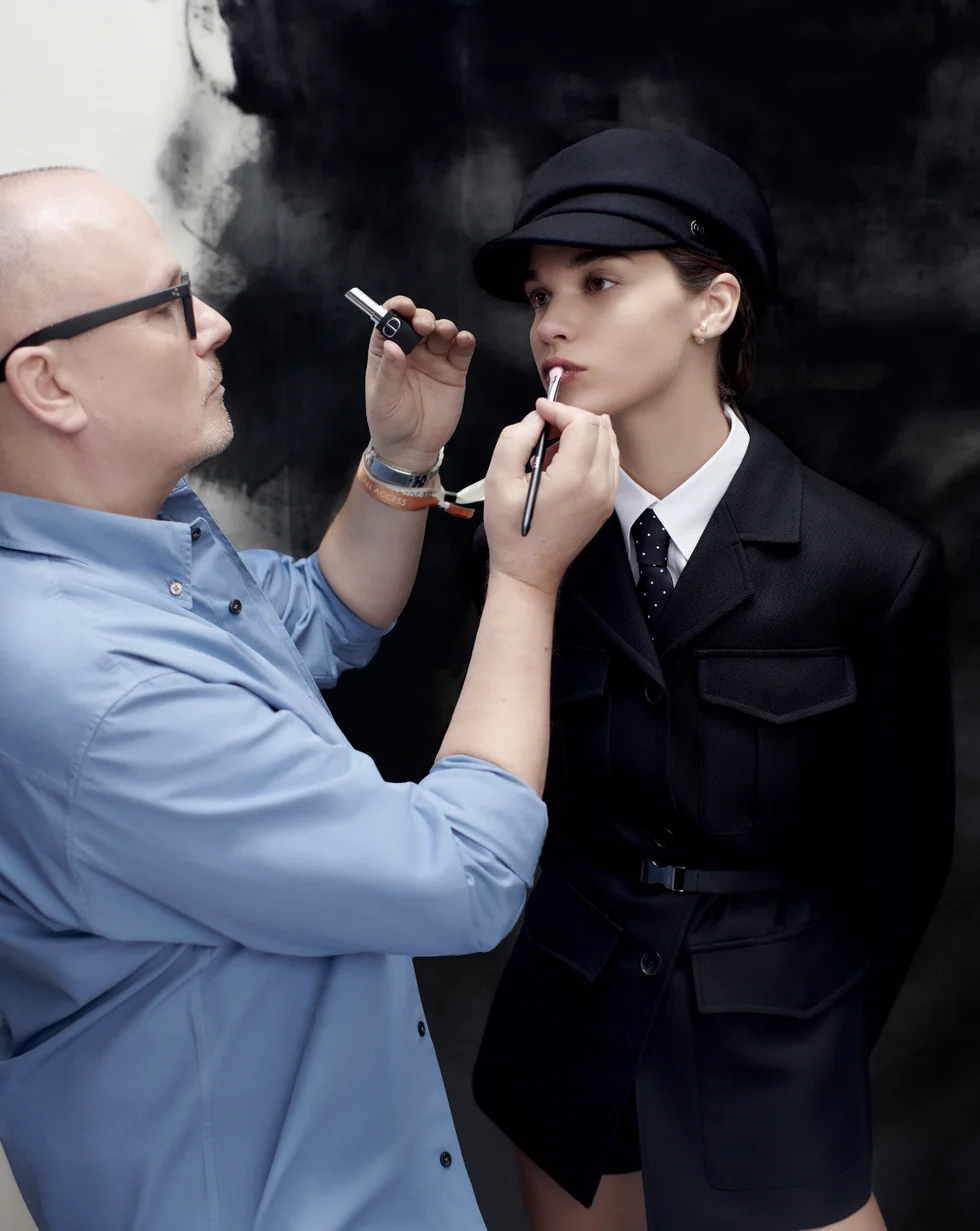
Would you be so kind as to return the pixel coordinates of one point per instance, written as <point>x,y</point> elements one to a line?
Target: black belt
<point>708,880</point>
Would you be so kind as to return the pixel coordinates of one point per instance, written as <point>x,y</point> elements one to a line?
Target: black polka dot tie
<point>654,586</point>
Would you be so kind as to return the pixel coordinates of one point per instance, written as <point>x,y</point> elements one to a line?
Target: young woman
<point>750,786</point>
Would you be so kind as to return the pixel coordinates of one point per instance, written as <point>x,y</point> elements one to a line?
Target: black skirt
<point>717,1043</point>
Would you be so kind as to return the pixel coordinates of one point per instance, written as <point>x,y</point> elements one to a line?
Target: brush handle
<point>532,491</point>
<point>539,452</point>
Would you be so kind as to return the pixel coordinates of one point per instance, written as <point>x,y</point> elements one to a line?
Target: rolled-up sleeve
<point>200,814</point>
<point>330,637</point>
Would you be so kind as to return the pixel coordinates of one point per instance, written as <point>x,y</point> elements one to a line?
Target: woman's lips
<point>568,372</point>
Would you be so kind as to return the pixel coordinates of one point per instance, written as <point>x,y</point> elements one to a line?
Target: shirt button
<point>176,588</point>
<point>650,963</point>
<point>446,1158</point>
<point>195,533</point>
<point>235,606</point>
<point>421,1030</point>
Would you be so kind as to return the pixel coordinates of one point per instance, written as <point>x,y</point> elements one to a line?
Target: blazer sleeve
<point>905,805</point>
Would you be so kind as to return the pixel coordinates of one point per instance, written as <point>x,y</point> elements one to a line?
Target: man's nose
<point>212,328</point>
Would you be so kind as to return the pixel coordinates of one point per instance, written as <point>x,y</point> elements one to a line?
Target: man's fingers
<point>559,414</point>
<point>389,373</point>
<point>404,307</point>
<point>442,336</point>
<point>461,351</point>
<point>516,443</point>
<point>577,448</point>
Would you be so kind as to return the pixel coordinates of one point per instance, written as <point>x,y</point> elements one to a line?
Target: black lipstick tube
<point>389,324</point>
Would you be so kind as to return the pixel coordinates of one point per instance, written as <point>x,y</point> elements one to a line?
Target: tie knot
<point>650,540</point>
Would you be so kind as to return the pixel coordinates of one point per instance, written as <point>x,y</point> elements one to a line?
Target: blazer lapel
<point>762,505</point>
<point>715,581</point>
<point>600,581</point>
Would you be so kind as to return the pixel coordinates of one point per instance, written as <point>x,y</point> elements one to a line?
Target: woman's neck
<point>663,442</point>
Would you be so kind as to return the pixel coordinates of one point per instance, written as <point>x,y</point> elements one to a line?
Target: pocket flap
<point>792,974</point>
<point>563,923</point>
<point>778,685</point>
<point>577,673</point>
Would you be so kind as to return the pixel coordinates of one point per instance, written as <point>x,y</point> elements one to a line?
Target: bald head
<point>111,417</point>
<point>53,223</point>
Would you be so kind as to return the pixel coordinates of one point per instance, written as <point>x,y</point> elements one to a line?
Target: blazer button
<point>235,606</point>
<point>650,963</point>
<point>421,1030</point>
<point>653,693</point>
<point>446,1158</point>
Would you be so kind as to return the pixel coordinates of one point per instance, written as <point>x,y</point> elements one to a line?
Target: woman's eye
<point>596,282</point>
<point>537,299</point>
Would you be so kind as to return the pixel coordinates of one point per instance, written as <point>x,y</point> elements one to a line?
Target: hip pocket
<point>782,1057</point>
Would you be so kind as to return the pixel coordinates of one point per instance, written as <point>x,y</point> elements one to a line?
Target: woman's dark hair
<point>736,356</point>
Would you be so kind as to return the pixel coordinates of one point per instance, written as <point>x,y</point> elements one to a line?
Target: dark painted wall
<point>398,134</point>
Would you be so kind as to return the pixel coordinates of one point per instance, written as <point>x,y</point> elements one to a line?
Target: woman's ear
<point>34,380</point>
<point>719,306</point>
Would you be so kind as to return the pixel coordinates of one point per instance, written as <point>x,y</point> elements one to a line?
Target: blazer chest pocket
<point>762,715</point>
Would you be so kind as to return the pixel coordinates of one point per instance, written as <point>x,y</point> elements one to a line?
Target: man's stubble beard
<point>218,435</point>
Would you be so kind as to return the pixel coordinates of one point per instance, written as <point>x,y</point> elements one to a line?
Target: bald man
<point>208,899</point>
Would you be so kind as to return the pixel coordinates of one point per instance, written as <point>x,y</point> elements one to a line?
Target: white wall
<point>104,84</point>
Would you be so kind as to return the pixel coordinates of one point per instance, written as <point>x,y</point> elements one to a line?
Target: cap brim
<point>501,266</point>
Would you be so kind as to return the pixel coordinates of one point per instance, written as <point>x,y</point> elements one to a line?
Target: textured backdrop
<point>395,140</point>
<point>320,144</point>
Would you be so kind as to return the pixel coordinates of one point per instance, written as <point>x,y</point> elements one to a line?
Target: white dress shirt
<point>686,510</point>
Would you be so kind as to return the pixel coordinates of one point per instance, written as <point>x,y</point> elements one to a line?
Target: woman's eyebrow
<point>584,258</point>
<point>595,254</point>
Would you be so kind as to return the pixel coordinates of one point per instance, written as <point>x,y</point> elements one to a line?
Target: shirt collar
<point>155,551</point>
<point>686,510</point>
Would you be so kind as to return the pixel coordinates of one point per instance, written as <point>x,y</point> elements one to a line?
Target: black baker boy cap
<point>628,189</point>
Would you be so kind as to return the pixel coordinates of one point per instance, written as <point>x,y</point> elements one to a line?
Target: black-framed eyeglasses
<point>102,316</point>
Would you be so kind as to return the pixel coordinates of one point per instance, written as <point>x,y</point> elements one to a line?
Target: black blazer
<point>795,712</point>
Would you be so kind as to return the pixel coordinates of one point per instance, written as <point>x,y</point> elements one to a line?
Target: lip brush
<point>538,465</point>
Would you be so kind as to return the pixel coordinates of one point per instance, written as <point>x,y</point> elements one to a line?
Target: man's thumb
<point>390,372</point>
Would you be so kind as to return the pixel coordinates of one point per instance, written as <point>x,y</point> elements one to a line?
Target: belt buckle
<point>666,874</point>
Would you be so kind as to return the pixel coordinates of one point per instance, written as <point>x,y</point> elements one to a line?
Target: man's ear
<point>34,379</point>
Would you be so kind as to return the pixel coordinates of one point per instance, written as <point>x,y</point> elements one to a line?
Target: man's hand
<point>414,402</point>
<point>577,493</point>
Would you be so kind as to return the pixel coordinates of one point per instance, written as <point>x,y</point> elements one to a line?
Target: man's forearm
<point>502,712</point>
<point>370,556</point>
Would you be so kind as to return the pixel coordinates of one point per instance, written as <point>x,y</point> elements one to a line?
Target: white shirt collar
<point>686,510</point>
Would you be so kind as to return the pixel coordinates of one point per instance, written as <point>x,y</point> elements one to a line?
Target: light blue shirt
<point>209,900</point>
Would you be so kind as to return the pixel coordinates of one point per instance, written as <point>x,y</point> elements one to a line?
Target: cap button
<point>697,229</point>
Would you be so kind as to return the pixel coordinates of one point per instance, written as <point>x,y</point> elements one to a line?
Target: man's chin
<point>219,436</point>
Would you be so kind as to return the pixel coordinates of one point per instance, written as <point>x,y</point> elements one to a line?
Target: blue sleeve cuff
<point>355,629</point>
<point>494,808</point>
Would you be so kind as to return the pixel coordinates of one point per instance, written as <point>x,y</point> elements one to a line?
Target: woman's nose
<point>554,324</point>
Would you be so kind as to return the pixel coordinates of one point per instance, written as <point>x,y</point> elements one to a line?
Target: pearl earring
<point>704,329</point>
